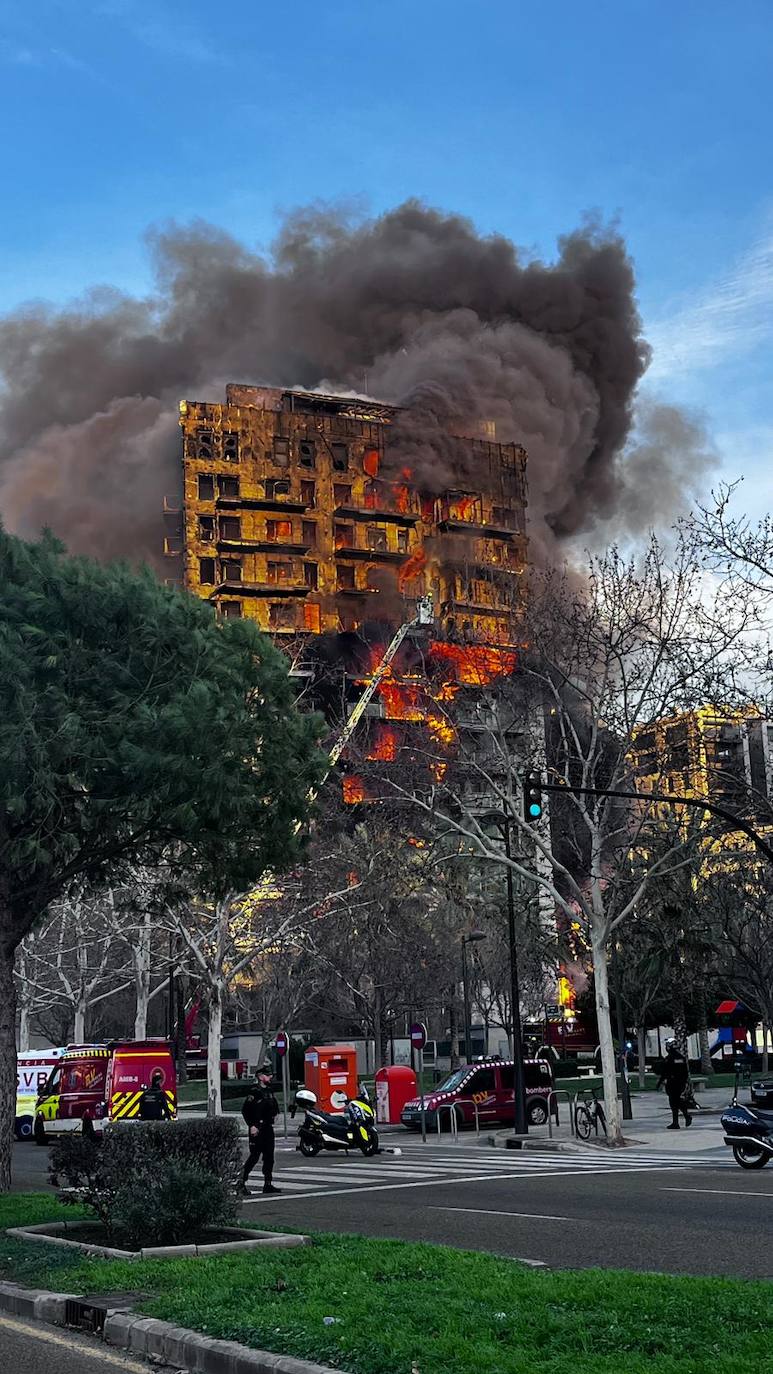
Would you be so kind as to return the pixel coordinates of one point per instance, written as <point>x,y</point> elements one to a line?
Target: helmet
<point>305,1098</point>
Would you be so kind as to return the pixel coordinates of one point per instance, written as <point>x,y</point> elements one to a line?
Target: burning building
<point>298,514</point>
<point>301,513</point>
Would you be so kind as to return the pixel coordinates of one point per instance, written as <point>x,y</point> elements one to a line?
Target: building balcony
<point>260,546</point>
<point>273,590</point>
<point>393,517</point>
<point>475,531</point>
<point>279,503</point>
<point>371,555</point>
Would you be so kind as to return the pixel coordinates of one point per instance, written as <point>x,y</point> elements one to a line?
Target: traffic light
<point>532,797</point>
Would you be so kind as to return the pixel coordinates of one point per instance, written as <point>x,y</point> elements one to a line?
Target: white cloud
<point>730,318</point>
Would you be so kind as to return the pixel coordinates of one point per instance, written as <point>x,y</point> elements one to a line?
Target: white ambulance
<point>33,1068</point>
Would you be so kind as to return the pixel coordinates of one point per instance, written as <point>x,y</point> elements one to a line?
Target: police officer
<point>259,1110</point>
<point>154,1105</point>
<point>676,1076</point>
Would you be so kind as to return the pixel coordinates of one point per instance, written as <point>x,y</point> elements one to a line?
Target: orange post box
<point>395,1085</point>
<point>330,1072</point>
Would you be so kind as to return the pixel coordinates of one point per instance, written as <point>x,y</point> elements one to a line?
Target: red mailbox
<point>330,1072</point>
<point>395,1085</point>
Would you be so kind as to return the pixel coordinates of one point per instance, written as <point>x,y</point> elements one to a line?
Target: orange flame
<point>475,665</point>
<point>354,790</point>
<point>464,508</point>
<point>414,565</point>
<point>384,745</point>
<point>370,462</point>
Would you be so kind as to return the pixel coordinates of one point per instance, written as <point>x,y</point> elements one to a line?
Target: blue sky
<point>120,113</point>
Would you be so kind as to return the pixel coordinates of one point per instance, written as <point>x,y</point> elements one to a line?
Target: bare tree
<point>74,961</point>
<point>632,641</point>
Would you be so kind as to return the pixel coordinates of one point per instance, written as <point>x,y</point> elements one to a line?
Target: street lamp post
<point>474,937</point>
<point>521,1124</point>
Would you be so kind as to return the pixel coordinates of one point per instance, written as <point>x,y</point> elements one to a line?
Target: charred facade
<point>298,514</point>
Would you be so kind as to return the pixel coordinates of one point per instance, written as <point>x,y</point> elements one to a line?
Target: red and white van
<point>488,1085</point>
<point>101,1084</point>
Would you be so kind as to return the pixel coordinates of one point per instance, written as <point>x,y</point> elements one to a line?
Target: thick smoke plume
<point>414,307</point>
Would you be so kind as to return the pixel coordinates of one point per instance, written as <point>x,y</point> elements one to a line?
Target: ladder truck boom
<point>423,616</point>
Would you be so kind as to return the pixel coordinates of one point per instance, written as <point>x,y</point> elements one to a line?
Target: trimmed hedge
<point>154,1182</point>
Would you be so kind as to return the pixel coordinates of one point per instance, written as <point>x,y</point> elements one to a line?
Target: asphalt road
<point>26,1349</point>
<point>634,1209</point>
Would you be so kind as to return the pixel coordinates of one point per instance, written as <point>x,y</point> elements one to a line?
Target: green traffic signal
<point>532,796</point>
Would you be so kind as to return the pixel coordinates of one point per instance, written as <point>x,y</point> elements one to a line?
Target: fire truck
<point>100,1084</point>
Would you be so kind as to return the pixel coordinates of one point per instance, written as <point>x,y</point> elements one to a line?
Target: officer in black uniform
<point>675,1074</point>
<point>154,1104</point>
<point>259,1110</point>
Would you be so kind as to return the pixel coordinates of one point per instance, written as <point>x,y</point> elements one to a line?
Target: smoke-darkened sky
<point>414,307</point>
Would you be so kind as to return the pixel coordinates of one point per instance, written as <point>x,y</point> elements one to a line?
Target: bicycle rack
<point>554,1094</point>
<point>465,1101</point>
<point>577,1097</point>
<point>447,1107</point>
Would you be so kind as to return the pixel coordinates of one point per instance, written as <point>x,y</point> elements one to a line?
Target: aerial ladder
<point>424,617</point>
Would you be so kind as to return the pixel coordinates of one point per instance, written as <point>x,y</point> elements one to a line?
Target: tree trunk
<point>214,1029</point>
<point>680,1026</point>
<point>142,979</point>
<point>379,1038</point>
<point>453,1030</point>
<point>606,1042</point>
<point>641,1045</point>
<point>765,1042</point>
<point>7,1064</point>
<point>703,1034</point>
<point>180,1046</point>
<point>24,1001</point>
<point>79,1021</point>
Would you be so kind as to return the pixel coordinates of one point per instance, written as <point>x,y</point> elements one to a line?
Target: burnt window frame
<point>308,498</point>
<point>207,529</point>
<point>280,451</point>
<point>231,570</point>
<point>276,563</point>
<point>339,456</point>
<point>225,520</point>
<point>231,610</point>
<point>205,581</point>
<point>223,479</point>
<point>380,533</point>
<point>346,580</point>
<point>311,576</point>
<point>307,453</point>
<point>275,537</point>
<point>205,477</point>
<point>309,533</point>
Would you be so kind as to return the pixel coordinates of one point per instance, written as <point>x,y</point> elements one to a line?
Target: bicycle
<point>587,1118</point>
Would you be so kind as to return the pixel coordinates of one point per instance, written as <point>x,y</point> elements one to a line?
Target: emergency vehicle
<point>102,1084</point>
<point>33,1068</point>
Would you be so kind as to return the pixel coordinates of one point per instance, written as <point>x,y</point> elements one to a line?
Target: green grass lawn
<point>401,1307</point>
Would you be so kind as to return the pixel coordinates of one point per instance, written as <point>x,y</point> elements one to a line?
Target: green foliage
<point>155,1182</point>
<point>446,1311</point>
<point>134,725</point>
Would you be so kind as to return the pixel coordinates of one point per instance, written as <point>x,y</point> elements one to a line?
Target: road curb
<point>146,1336</point>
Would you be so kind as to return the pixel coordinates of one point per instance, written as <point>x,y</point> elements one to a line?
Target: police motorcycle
<point>353,1129</point>
<point>748,1131</point>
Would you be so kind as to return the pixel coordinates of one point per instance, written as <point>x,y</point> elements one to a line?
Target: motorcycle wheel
<point>309,1148</point>
<point>369,1147</point>
<point>749,1158</point>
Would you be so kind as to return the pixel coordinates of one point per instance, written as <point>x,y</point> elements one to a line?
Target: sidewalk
<point>651,1117</point>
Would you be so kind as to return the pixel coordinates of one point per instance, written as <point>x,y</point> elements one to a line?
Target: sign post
<point>418,1041</point>
<point>281,1045</point>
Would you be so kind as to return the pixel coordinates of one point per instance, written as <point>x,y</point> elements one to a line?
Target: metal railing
<point>571,1102</point>
<point>447,1107</point>
<point>465,1101</point>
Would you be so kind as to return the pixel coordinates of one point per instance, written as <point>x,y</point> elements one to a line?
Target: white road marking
<point>100,1352</point>
<point>475,1178</point>
<point>723,1192</point>
<point>495,1212</point>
